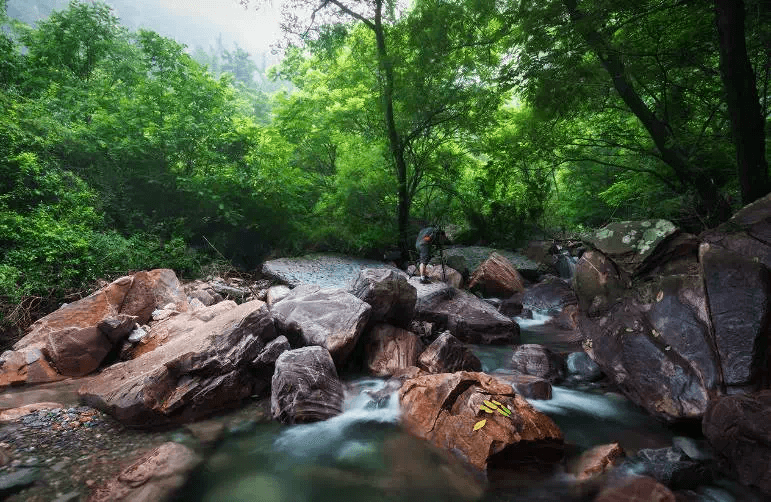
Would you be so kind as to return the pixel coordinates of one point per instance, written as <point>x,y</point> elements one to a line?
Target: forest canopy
<point>121,149</point>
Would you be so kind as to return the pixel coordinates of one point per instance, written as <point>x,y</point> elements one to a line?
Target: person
<point>427,238</point>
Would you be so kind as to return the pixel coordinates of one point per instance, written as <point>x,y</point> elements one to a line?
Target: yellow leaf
<point>490,405</point>
<point>480,424</point>
<point>496,402</point>
<point>485,408</point>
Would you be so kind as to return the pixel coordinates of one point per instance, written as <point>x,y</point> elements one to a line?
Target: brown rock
<point>192,375</point>
<point>447,354</point>
<point>155,476</point>
<point>389,349</point>
<point>26,366</point>
<point>496,276</point>
<point>444,408</point>
<point>305,386</point>
<point>77,352</point>
<point>597,460</point>
<point>529,386</point>
<point>389,293</point>
<point>469,318</point>
<point>537,360</point>
<point>327,317</point>
<point>739,429</point>
<point>639,489</point>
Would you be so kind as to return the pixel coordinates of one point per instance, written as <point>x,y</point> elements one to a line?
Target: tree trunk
<point>394,140</point>
<point>744,110</point>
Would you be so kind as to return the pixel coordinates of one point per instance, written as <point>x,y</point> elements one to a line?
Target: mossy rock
<point>630,243</point>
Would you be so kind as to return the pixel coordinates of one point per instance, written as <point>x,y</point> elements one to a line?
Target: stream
<point>363,455</point>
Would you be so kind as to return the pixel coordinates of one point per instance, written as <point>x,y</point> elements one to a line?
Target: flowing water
<point>363,455</point>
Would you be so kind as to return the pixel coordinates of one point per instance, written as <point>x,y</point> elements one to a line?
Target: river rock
<point>203,292</point>
<point>389,349</point>
<point>326,271</point>
<point>389,293</point>
<point>550,296</point>
<point>155,476</point>
<point>447,354</point>
<point>672,467</point>
<point>190,376</point>
<point>597,284</point>
<point>598,460</point>
<point>305,386</point>
<point>26,366</point>
<point>539,361</point>
<point>469,318</point>
<point>739,294</point>
<point>739,429</point>
<point>747,233</point>
<point>77,337</point>
<point>444,408</point>
<point>632,353</point>
<point>629,244</point>
<point>497,277</point>
<point>637,489</point>
<point>581,367</point>
<point>327,317</point>
<point>529,386</point>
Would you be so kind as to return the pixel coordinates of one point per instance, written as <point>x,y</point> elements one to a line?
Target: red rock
<point>444,408</point>
<point>641,489</point>
<point>597,460</point>
<point>496,276</point>
<point>389,349</point>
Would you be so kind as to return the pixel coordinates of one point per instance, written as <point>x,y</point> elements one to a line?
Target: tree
<point>747,121</point>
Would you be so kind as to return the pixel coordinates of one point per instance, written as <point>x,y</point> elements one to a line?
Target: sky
<point>191,22</point>
<point>255,27</point>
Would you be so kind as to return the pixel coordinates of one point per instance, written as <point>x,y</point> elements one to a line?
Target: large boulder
<point>550,296</point>
<point>446,408</point>
<point>389,293</point>
<point>739,291</point>
<point>327,317</point>
<point>77,337</point>
<point>192,375</point>
<point>26,366</point>
<point>305,387</point>
<point>497,277</point>
<point>739,429</point>
<point>631,243</point>
<point>469,318</point>
<point>539,361</point>
<point>389,349</point>
<point>447,355</point>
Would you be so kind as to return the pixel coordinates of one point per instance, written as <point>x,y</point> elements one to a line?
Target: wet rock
<point>597,461</point>
<point>327,317</point>
<point>531,387</point>
<point>389,293</point>
<point>581,367</point>
<point>739,294</point>
<point>497,277</point>
<point>467,317</point>
<point>512,306</point>
<point>447,354</point>
<point>597,284</point>
<point>389,349</point>
<point>550,296</point>
<point>739,429</point>
<point>156,476</point>
<point>672,467</point>
<point>537,360</point>
<point>637,489</point>
<point>305,386</point>
<point>193,374</point>
<point>634,355</point>
<point>444,408</point>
